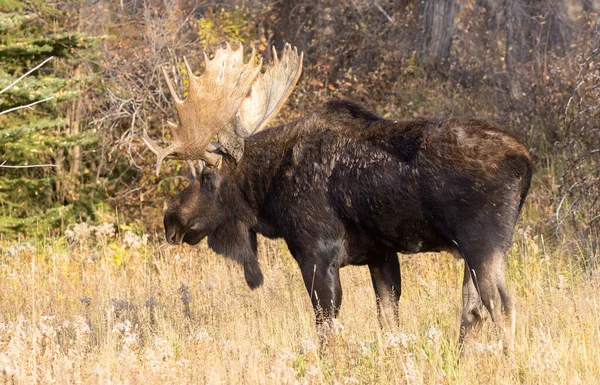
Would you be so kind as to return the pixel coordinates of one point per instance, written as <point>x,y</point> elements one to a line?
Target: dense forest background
<point>531,65</point>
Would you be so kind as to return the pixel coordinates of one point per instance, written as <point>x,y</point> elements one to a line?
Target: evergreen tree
<point>38,198</point>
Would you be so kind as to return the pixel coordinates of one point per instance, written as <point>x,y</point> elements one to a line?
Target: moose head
<point>231,100</point>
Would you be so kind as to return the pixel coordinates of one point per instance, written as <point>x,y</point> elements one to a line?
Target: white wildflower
<point>122,327</point>
<point>333,327</point>
<point>134,241</point>
<point>70,234</point>
<point>81,326</point>
<point>433,335</point>
<point>104,231</point>
<point>79,233</point>
<point>307,346</point>
<point>493,348</point>
<point>45,327</point>
<point>562,283</point>
<point>395,340</point>
<point>158,355</point>
<point>282,370</point>
<point>125,329</point>
<point>6,366</point>
<point>312,371</point>
<point>228,346</point>
<point>365,348</point>
<point>202,336</point>
<point>546,357</point>
<point>411,372</point>
<point>17,249</point>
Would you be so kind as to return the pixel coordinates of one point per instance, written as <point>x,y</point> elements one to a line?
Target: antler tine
<point>172,127</point>
<point>221,52</point>
<point>294,48</point>
<point>174,95</point>
<point>161,153</point>
<point>238,54</point>
<point>269,92</point>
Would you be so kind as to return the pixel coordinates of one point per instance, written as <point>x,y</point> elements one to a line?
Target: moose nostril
<point>171,238</point>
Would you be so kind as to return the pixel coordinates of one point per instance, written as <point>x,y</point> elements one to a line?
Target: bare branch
<point>27,73</point>
<point>387,16</point>
<point>25,106</point>
<point>3,165</point>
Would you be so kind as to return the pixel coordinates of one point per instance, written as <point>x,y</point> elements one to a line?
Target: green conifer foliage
<point>41,198</point>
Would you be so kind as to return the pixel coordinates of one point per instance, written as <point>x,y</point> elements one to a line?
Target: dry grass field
<point>103,305</point>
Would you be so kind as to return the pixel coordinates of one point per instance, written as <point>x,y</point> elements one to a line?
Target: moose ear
<point>210,179</point>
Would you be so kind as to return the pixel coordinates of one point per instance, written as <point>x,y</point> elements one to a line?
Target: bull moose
<point>342,186</point>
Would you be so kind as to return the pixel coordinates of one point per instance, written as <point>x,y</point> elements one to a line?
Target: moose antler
<point>269,92</point>
<point>213,100</point>
<point>221,93</point>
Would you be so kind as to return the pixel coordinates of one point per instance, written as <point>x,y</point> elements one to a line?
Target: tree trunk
<point>513,22</point>
<point>76,114</point>
<point>75,129</point>
<point>438,29</point>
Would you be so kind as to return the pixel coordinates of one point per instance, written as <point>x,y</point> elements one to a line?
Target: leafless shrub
<point>579,205</point>
<point>136,95</point>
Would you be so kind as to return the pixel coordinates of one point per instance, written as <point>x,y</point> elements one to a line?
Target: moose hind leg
<point>471,306</point>
<point>385,275</point>
<point>490,281</point>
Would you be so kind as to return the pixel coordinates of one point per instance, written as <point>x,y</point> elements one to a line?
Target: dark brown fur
<point>344,187</point>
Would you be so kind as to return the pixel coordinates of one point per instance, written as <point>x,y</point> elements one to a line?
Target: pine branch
<point>27,73</point>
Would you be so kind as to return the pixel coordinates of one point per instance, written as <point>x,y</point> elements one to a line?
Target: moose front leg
<point>319,259</point>
<point>385,274</point>
<point>322,280</point>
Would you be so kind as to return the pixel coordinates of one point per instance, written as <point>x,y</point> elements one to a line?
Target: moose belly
<point>407,237</point>
<point>413,236</point>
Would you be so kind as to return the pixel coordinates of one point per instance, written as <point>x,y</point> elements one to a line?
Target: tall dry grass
<point>100,306</point>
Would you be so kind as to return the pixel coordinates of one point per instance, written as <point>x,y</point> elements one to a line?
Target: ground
<point>102,304</point>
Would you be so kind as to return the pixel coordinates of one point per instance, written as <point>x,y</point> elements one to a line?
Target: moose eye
<point>209,181</point>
